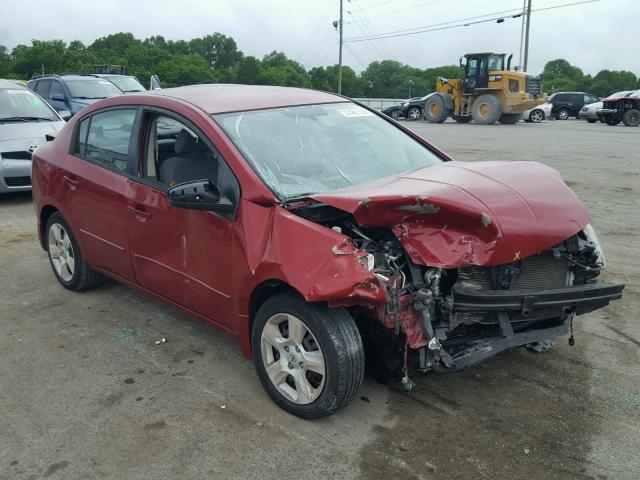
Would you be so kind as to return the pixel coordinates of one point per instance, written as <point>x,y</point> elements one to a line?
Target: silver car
<point>538,113</point>
<point>25,119</point>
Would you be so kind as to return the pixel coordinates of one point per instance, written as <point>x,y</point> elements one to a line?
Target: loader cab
<point>477,67</point>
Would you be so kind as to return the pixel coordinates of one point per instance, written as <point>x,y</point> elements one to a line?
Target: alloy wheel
<point>61,252</point>
<point>536,116</point>
<point>292,358</point>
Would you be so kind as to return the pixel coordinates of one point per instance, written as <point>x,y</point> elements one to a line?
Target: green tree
<point>247,71</point>
<point>30,60</point>
<point>186,70</point>
<point>218,49</point>
<point>6,64</point>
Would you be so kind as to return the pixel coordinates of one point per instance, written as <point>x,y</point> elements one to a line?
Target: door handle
<point>71,180</point>
<point>139,211</point>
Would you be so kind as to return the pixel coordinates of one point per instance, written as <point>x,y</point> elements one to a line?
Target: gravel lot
<point>85,393</point>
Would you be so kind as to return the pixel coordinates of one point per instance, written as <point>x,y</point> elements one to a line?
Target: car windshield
<point>22,104</point>
<point>127,84</point>
<point>312,149</point>
<point>92,88</point>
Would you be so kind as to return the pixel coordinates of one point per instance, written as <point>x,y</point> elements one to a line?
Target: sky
<point>593,36</point>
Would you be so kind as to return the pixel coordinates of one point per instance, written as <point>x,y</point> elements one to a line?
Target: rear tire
<point>562,114</point>
<point>414,113</point>
<point>510,118</point>
<point>395,114</point>
<point>65,257</point>
<point>486,109</point>
<point>309,358</point>
<point>631,118</point>
<point>435,110</point>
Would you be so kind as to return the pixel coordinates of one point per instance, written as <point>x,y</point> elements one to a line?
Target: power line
<point>404,9</point>
<point>367,29</point>
<point>377,5</point>
<point>427,28</point>
<point>316,30</point>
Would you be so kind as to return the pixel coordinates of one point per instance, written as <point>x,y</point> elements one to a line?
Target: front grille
<point>537,272</point>
<point>17,181</point>
<point>533,85</point>
<point>22,155</point>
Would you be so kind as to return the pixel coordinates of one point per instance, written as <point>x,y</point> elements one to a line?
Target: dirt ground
<point>85,392</point>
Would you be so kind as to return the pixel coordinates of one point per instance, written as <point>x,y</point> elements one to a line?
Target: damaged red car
<point>318,232</point>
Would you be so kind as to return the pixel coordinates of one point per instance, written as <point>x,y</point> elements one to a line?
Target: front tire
<point>592,120</point>
<point>612,121</point>
<point>486,109</point>
<point>631,118</point>
<point>435,110</point>
<point>65,257</point>
<point>414,113</point>
<point>309,358</point>
<point>536,116</point>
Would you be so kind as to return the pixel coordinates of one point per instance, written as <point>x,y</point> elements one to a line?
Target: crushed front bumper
<point>506,304</point>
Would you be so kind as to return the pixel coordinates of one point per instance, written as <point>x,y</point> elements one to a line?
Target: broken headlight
<point>592,238</point>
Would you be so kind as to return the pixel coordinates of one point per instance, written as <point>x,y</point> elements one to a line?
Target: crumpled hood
<point>459,213</point>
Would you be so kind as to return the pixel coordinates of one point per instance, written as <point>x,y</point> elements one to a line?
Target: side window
<point>56,87</point>
<point>472,67</point>
<point>176,154</point>
<point>81,138</point>
<point>43,87</point>
<point>108,138</point>
<point>577,98</point>
<point>589,99</point>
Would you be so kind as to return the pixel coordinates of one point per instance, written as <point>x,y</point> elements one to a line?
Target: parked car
<point>622,109</point>
<point>25,119</point>
<point>591,113</point>
<point>302,223</point>
<point>73,92</point>
<point>538,114</point>
<point>412,109</point>
<point>126,83</point>
<point>569,104</point>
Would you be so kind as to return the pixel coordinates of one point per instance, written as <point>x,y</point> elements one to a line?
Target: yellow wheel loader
<point>488,93</point>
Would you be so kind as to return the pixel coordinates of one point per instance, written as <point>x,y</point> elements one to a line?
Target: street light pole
<point>340,54</point>
<point>526,37</point>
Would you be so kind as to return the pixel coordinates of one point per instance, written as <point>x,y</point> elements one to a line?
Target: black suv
<point>569,104</point>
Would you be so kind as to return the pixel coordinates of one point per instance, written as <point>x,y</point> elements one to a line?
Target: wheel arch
<point>45,213</point>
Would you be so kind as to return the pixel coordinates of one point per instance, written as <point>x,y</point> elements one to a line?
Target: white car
<point>591,112</point>
<point>538,114</point>
<point>25,119</point>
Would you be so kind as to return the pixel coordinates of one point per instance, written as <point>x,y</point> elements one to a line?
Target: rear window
<point>43,87</point>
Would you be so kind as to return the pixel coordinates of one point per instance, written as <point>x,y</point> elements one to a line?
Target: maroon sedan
<point>315,230</point>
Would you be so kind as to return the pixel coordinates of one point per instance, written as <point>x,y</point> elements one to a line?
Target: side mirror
<point>58,97</point>
<point>65,114</point>
<point>199,195</point>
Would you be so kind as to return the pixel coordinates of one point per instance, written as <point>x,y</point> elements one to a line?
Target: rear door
<point>95,187</point>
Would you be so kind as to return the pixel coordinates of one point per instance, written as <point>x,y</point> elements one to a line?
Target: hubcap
<point>61,252</point>
<point>564,115</point>
<point>292,358</point>
<point>414,114</point>
<point>536,117</point>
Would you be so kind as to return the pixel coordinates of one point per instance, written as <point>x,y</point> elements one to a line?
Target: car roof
<point>107,75</point>
<point>222,98</point>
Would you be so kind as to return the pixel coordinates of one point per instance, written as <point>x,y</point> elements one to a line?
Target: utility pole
<point>526,37</point>
<point>524,18</point>
<point>340,54</point>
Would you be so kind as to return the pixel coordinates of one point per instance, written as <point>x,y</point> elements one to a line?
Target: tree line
<point>216,58</point>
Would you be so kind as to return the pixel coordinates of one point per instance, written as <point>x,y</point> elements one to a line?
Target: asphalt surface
<point>86,393</point>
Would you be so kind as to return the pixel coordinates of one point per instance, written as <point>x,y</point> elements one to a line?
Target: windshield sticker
<point>354,112</point>
<point>34,101</point>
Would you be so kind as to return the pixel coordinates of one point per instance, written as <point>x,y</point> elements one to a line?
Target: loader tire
<point>435,111</point>
<point>486,109</point>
